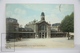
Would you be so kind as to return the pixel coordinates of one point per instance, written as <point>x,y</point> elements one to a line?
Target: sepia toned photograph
<point>39,25</point>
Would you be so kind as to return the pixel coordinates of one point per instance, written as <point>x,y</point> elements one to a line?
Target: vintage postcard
<point>40,25</point>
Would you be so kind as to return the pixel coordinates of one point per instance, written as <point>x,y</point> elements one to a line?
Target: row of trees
<point>67,24</point>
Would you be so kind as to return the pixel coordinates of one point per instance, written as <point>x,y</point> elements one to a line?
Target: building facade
<point>34,29</point>
<point>11,25</point>
<point>41,28</point>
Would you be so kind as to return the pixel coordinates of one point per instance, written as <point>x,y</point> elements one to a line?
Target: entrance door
<point>43,35</point>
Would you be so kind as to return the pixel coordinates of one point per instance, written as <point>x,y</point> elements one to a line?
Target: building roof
<point>25,30</point>
<point>42,22</point>
<point>11,21</point>
<point>56,24</point>
<point>58,33</point>
<point>29,29</point>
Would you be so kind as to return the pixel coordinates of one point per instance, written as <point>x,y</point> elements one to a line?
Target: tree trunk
<point>68,35</point>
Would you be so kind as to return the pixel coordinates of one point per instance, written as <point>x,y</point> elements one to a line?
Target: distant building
<point>55,27</point>
<point>56,32</point>
<point>11,25</point>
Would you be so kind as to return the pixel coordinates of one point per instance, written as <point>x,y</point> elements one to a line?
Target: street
<point>61,42</point>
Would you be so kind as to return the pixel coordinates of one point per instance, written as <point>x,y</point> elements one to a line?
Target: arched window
<point>42,27</point>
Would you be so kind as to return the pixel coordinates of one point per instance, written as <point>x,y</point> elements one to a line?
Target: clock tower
<point>42,16</point>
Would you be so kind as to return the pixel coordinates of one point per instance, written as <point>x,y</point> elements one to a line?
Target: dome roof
<point>42,14</point>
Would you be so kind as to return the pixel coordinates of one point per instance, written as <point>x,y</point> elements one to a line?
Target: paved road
<point>44,43</point>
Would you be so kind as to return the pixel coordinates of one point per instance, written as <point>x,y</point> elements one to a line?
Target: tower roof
<point>42,14</point>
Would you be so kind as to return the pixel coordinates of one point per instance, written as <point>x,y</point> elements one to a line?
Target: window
<point>42,27</point>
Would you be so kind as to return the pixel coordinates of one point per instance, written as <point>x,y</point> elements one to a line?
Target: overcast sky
<point>24,13</point>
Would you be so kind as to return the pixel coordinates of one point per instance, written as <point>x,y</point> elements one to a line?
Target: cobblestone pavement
<point>44,43</point>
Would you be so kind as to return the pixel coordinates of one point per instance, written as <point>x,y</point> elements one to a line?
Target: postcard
<point>39,25</point>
